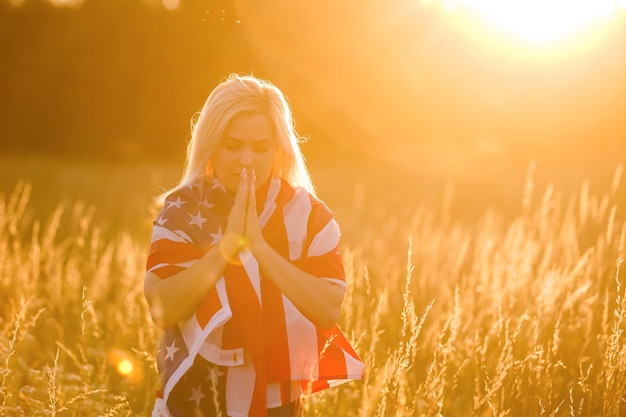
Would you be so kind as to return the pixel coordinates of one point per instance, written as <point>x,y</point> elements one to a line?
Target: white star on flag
<point>197,219</point>
<point>171,351</point>
<point>217,184</point>
<point>205,203</point>
<point>213,374</point>
<point>161,221</point>
<point>176,203</point>
<point>217,236</point>
<point>196,395</point>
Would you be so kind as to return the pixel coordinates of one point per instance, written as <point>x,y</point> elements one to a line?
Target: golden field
<point>515,312</point>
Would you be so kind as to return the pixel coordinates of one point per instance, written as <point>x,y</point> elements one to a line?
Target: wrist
<point>260,249</point>
<point>230,245</point>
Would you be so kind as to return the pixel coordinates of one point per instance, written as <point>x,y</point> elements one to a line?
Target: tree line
<point>114,78</point>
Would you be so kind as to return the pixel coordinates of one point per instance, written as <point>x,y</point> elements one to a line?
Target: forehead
<point>249,127</point>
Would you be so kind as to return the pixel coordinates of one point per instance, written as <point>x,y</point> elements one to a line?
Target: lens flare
<point>125,365</point>
<point>230,240</point>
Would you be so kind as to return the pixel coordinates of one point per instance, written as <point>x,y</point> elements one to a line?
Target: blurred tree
<point>395,80</point>
<point>113,77</point>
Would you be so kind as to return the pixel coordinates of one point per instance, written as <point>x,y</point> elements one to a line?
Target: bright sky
<point>536,21</point>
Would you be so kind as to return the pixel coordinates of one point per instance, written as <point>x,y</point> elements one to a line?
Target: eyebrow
<point>254,140</point>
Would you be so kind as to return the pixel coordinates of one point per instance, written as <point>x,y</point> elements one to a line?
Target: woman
<point>244,273</point>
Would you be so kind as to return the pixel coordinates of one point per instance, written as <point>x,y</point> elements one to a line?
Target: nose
<point>246,157</point>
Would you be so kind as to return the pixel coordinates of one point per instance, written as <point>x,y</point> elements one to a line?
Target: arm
<point>177,296</point>
<point>319,300</point>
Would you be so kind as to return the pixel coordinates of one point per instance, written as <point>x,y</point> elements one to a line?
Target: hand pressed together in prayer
<point>243,229</point>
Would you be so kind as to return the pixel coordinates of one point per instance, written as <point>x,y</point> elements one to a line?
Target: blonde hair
<point>244,94</point>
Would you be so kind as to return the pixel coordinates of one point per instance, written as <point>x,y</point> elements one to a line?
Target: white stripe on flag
<point>336,281</point>
<point>270,202</point>
<point>326,240</point>
<point>354,367</point>
<point>240,388</point>
<point>302,343</point>
<point>160,232</point>
<point>181,264</point>
<point>251,267</point>
<point>296,218</point>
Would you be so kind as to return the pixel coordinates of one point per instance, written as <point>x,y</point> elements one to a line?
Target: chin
<point>260,182</point>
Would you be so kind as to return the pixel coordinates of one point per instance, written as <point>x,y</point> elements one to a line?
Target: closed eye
<point>232,144</point>
<point>264,145</point>
<point>261,146</point>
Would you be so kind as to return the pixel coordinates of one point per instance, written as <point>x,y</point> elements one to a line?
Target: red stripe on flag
<point>324,266</point>
<point>315,386</point>
<point>248,322</point>
<point>275,333</point>
<point>167,271</point>
<point>274,323</point>
<point>208,307</point>
<point>319,217</point>
<point>167,251</point>
<point>341,341</point>
<point>332,363</point>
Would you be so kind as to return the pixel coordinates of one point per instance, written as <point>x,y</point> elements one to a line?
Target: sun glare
<point>171,4</point>
<point>537,21</point>
<point>67,3</point>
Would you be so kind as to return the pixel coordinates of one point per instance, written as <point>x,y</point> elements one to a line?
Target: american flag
<point>245,324</point>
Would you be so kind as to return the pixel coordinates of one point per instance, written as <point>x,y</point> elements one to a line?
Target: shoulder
<point>185,198</point>
<point>301,194</point>
<point>318,204</point>
<point>193,212</point>
<point>319,212</point>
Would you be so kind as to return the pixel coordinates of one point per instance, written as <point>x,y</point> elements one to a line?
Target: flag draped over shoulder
<point>245,323</point>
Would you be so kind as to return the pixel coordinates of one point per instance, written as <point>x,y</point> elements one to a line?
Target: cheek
<point>221,161</point>
<point>267,163</point>
<point>264,168</point>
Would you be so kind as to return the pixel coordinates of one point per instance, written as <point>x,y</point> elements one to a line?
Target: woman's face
<point>249,143</point>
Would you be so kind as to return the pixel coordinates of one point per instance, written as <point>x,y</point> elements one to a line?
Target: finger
<point>237,215</point>
<point>252,178</point>
<point>243,183</point>
<point>252,193</point>
<point>253,230</point>
<point>242,192</point>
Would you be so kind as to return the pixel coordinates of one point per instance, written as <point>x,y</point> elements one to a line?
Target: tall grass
<point>508,315</point>
<point>72,308</point>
